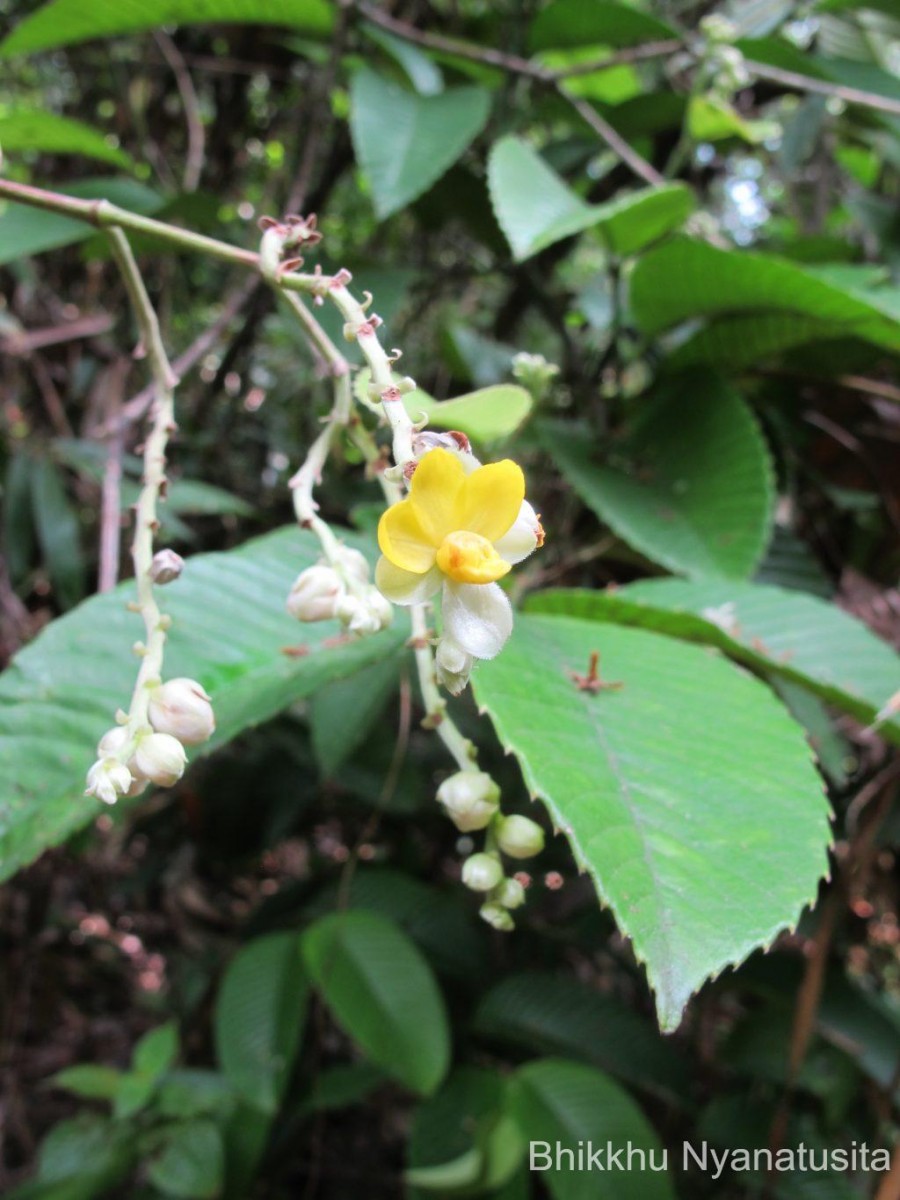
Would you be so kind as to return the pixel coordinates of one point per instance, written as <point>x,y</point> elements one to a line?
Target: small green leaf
<point>59,535</point>
<point>771,629</point>
<point>64,22</point>
<point>382,992</point>
<point>86,1079</point>
<point>259,1017</point>
<point>560,1103</point>
<point>487,415</point>
<point>156,1051</point>
<point>697,492</point>
<point>18,521</point>
<point>710,119</point>
<point>554,1014</point>
<point>535,208</point>
<point>192,1162</point>
<point>39,130</point>
<point>421,71</point>
<point>405,142</point>
<point>565,23</point>
<point>688,793</point>
<point>683,279</point>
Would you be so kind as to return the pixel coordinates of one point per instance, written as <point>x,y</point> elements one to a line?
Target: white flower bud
<point>160,758</point>
<point>482,872</point>
<point>454,441</point>
<point>364,614</point>
<point>181,707</point>
<point>354,563</point>
<point>497,916</point>
<point>112,742</point>
<point>520,837</point>
<point>452,666</point>
<point>108,779</point>
<point>315,594</point>
<point>470,799</point>
<point>166,566</point>
<point>510,894</point>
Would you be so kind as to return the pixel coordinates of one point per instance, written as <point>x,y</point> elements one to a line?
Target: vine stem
<point>303,482</point>
<point>156,623</point>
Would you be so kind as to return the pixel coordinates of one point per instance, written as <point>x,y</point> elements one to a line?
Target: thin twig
<point>188,359</point>
<point>806,83</point>
<point>23,342</point>
<point>145,522</point>
<point>613,139</point>
<point>111,488</point>
<point>196,134</point>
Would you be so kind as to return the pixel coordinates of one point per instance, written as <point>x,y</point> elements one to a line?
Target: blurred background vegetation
<point>761,127</point>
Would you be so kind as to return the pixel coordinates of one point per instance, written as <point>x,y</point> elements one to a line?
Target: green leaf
<point>535,208</point>
<point>342,714</point>
<point>230,632</point>
<point>260,1012</point>
<point>697,492</point>
<point>25,231</point>
<point>58,532</point>
<point>156,1051</point>
<point>438,921</point>
<point>682,280</point>
<point>573,23</point>
<point>555,1014</point>
<point>39,130</point>
<point>488,415</point>
<point>565,1103</point>
<point>192,1092</point>
<point>18,522</point>
<point>192,1162</point>
<point>689,794</point>
<point>88,1150</point>
<point>64,22</point>
<point>711,119</point>
<point>382,992</point>
<point>462,1140</point>
<point>421,71</point>
<point>772,629</point>
<point>88,1080</point>
<point>405,142</point>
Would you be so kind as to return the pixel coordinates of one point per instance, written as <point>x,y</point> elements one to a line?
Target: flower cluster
<point>179,714</point>
<point>471,799</point>
<point>458,531</point>
<point>340,589</point>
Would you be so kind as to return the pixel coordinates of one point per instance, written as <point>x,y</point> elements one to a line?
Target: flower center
<point>470,558</point>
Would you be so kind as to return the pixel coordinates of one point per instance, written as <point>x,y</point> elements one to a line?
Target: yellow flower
<point>462,531</point>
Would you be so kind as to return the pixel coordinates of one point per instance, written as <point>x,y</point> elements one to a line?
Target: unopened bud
<point>520,837</point>
<point>160,758</point>
<point>354,563</point>
<point>112,742</point>
<point>108,779</point>
<point>182,708</point>
<point>510,894</point>
<point>315,594</point>
<point>482,872</point>
<point>470,799</point>
<point>364,614</point>
<point>457,443</point>
<point>452,666</point>
<point>496,916</point>
<point>165,566</point>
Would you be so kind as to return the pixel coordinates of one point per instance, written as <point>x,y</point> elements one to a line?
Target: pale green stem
<point>146,523</point>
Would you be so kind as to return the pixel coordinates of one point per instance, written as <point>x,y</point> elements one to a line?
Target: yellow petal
<point>490,499</point>
<point>405,587</point>
<point>434,491</point>
<point>470,558</point>
<point>403,541</point>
